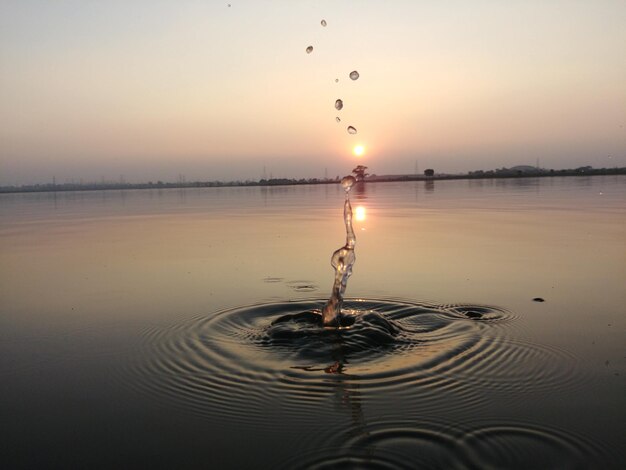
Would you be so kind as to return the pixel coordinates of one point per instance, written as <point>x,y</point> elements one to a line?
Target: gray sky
<point>154,89</point>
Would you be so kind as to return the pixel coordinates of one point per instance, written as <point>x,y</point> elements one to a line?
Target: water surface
<point>136,327</point>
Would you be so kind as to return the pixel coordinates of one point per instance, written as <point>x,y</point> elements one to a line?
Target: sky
<point>151,90</point>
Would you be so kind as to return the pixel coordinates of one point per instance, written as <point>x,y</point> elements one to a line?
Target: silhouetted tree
<point>359,172</point>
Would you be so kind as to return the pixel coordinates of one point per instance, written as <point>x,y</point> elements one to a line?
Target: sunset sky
<point>152,89</point>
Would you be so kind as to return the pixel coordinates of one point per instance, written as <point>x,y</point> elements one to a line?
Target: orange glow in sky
<point>181,92</point>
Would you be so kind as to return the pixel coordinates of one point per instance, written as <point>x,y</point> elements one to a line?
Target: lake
<point>144,329</point>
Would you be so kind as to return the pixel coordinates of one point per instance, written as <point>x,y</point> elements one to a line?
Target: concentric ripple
<point>280,351</point>
<point>277,363</point>
<point>281,348</point>
<point>409,445</point>
<point>436,445</point>
<point>522,446</point>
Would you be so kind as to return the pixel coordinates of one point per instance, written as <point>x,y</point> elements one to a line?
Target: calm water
<point>136,327</point>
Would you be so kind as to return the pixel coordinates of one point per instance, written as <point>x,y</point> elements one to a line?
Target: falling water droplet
<point>354,75</point>
<point>351,130</point>
<point>338,105</point>
<point>347,182</point>
<point>338,119</point>
<point>309,49</point>
<point>324,23</point>
<point>336,80</point>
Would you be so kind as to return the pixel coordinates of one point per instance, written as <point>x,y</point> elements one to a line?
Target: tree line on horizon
<point>520,171</point>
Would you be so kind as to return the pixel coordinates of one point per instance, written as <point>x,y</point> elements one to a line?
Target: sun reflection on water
<point>359,213</point>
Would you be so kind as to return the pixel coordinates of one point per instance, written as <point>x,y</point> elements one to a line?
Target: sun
<point>358,150</point>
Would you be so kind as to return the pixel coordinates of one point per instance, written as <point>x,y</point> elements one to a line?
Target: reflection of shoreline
<point>488,175</point>
<point>359,191</point>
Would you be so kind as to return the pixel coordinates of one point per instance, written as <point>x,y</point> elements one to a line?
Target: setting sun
<point>358,150</point>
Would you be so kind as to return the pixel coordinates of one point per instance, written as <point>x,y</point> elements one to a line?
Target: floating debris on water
<point>354,75</point>
<point>302,286</point>
<point>309,49</point>
<point>339,105</point>
<point>351,130</point>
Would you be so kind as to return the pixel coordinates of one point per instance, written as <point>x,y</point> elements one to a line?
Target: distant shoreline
<point>503,173</point>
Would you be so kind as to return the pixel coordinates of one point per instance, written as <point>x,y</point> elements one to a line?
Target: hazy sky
<point>153,89</point>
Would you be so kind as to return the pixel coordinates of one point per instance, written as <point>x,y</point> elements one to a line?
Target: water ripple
<point>526,445</point>
<point>279,348</point>
<point>275,362</point>
<point>438,445</point>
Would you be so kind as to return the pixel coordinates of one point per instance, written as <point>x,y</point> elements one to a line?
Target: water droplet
<point>354,75</point>
<point>336,80</point>
<point>347,182</point>
<point>324,23</point>
<point>351,130</point>
<point>338,105</point>
<point>309,49</point>
<point>337,119</point>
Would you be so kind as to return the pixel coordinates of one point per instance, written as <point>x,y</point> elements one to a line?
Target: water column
<point>342,260</point>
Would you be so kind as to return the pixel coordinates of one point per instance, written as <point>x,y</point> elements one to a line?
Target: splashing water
<point>342,260</point>
<point>339,105</point>
<point>309,49</point>
<point>347,182</point>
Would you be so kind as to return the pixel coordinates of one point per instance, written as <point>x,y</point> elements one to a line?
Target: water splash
<point>351,130</point>
<point>424,359</point>
<point>339,105</point>
<point>338,119</point>
<point>309,49</point>
<point>347,182</point>
<point>342,260</point>
<point>354,75</point>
